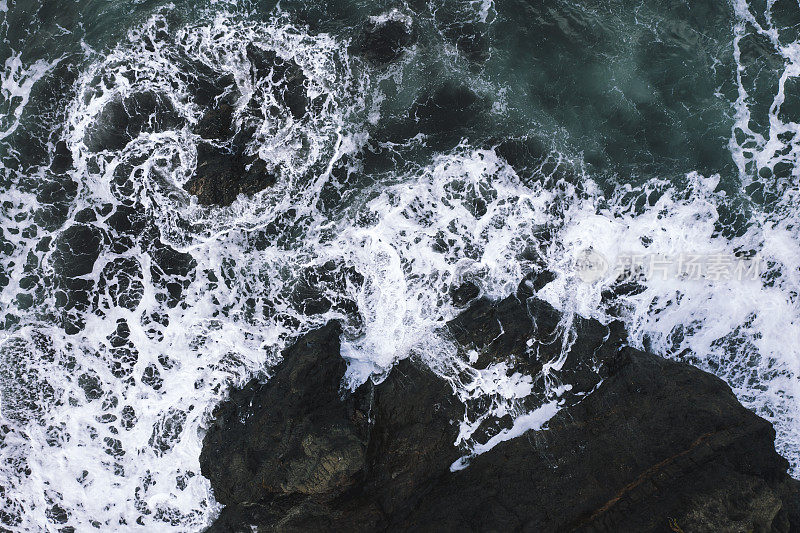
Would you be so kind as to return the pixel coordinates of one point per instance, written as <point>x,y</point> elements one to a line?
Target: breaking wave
<point>130,308</point>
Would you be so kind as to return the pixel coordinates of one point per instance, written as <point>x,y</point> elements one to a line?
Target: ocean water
<point>509,139</point>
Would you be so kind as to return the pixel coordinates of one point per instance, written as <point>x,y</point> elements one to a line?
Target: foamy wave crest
<point>745,331</point>
<point>470,217</point>
<point>172,79</point>
<point>16,82</point>
<point>129,308</point>
<point>137,318</point>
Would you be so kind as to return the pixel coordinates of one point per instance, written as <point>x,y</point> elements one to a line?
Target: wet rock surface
<point>217,122</point>
<point>124,119</point>
<point>225,166</point>
<point>221,175</point>
<point>293,436</point>
<point>285,77</point>
<point>657,445</point>
<point>299,453</point>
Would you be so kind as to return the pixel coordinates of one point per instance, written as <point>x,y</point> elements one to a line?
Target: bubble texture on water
<point>128,309</point>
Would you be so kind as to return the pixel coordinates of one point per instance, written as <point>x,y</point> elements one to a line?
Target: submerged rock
<point>123,119</point>
<point>657,446</point>
<point>450,107</point>
<point>385,38</point>
<point>284,76</point>
<point>221,176</point>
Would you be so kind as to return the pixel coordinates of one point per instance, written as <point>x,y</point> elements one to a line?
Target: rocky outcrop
<point>298,453</point>
<point>222,175</point>
<point>656,446</point>
<point>283,77</point>
<point>659,446</point>
<point>226,168</point>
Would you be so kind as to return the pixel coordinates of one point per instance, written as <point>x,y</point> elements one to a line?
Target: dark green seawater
<point>502,140</point>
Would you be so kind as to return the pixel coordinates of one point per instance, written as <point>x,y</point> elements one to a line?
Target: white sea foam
<point>16,81</point>
<point>118,447</point>
<point>533,421</point>
<point>410,241</point>
<point>394,252</point>
<point>393,15</point>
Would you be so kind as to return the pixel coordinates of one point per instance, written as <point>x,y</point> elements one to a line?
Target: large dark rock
<point>657,446</point>
<point>528,332</point>
<point>216,122</point>
<point>293,436</point>
<point>659,443</point>
<point>221,176</point>
<point>300,453</point>
<point>464,293</point>
<point>124,119</point>
<point>205,84</point>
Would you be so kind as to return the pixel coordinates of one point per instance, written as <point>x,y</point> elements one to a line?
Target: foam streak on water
<point>15,87</point>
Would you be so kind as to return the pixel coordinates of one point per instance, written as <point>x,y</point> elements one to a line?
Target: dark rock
<point>297,445</point>
<point>528,332</point>
<point>294,436</point>
<point>659,443</point>
<point>412,436</point>
<point>385,40</point>
<point>464,293</point>
<point>318,286</point>
<point>658,446</point>
<point>123,119</point>
<point>216,123</point>
<point>221,176</point>
<point>256,176</point>
<point>205,84</point>
<point>284,76</point>
<point>217,176</point>
<point>533,283</point>
<point>614,298</point>
<point>498,329</point>
<point>449,107</point>
<point>62,158</point>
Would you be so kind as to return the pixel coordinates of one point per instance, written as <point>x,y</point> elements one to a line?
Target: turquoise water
<point>505,140</point>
